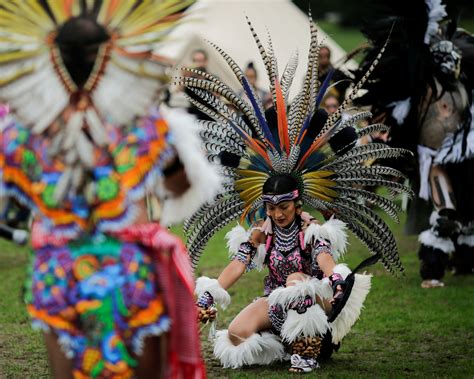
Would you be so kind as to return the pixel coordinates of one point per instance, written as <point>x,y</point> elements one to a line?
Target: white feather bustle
<point>332,230</point>
<point>220,295</point>
<point>202,175</point>
<point>343,323</point>
<point>428,238</point>
<point>260,348</point>
<point>436,12</point>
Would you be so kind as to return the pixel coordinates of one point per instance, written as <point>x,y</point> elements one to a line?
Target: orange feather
<point>282,120</point>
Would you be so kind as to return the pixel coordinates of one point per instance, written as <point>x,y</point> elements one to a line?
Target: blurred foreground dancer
<point>275,163</point>
<point>82,146</point>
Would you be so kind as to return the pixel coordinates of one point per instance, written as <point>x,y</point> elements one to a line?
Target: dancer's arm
<point>231,274</point>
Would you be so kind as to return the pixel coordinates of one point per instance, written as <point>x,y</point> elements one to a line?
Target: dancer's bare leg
<point>152,362</point>
<point>441,189</point>
<point>61,366</point>
<point>252,319</point>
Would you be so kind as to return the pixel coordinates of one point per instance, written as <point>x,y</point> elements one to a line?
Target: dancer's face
<point>282,214</point>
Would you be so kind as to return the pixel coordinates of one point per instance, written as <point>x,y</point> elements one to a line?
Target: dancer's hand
<point>337,295</point>
<point>257,237</point>
<point>206,315</point>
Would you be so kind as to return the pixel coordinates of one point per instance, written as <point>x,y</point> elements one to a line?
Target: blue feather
<point>306,124</point>
<point>324,87</point>
<point>261,118</point>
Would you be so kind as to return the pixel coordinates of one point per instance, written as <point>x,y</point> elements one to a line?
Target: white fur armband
<point>202,175</point>
<point>236,237</point>
<point>332,230</point>
<point>220,295</point>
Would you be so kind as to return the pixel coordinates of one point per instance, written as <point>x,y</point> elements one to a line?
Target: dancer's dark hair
<point>79,39</point>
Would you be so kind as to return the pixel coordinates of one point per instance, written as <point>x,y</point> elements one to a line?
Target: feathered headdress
<point>32,68</point>
<point>329,178</point>
<point>68,131</point>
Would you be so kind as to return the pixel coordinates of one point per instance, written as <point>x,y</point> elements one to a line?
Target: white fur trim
<point>342,269</point>
<point>261,349</point>
<point>428,238</point>
<point>434,218</point>
<point>259,258</point>
<point>313,322</point>
<point>466,240</point>
<point>351,311</point>
<point>235,237</point>
<point>302,288</point>
<point>333,230</point>
<point>400,110</point>
<point>202,175</point>
<point>220,295</point>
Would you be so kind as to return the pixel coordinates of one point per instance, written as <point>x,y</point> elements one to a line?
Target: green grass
<point>404,330</point>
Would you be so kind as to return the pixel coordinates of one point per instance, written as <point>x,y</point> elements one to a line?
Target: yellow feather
<point>15,55</point>
<point>250,173</point>
<point>317,174</point>
<point>25,71</point>
<point>321,189</point>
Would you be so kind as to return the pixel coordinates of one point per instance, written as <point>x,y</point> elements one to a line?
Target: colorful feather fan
<point>331,179</point>
<point>65,135</point>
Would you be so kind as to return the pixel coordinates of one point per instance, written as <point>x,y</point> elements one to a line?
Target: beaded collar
<point>286,239</point>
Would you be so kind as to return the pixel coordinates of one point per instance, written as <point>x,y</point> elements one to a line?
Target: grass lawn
<point>404,330</point>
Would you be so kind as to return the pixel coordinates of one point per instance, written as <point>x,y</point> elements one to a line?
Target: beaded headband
<point>277,199</point>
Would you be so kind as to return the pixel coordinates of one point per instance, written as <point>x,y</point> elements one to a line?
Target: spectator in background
<point>200,61</point>
<point>252,76</point>
<point>331,103</point>
<point>325,66</point>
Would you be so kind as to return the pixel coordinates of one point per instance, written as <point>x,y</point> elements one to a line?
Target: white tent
<point>223,22</point>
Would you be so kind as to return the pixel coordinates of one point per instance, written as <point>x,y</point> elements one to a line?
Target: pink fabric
<point>175,275</point>
<point>40,237</point>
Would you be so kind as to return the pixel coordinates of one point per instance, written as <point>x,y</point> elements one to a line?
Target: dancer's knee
<point>290,280</point>
<point>238,333</point>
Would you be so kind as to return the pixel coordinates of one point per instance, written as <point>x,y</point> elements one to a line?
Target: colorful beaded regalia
<point>83,147</point>
<point>299,144</point>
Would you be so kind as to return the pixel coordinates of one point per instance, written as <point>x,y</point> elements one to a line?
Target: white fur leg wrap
<point>307,287</point>
<point>203,176</point>
<point>313,322</point>
<point>428,238</point>
<point>351,311</point>
<point>261,349</point>
<point>332,230</point>
<point>220,295</point>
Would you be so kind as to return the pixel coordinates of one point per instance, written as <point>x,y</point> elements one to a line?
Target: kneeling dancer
<point>274,164</point>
